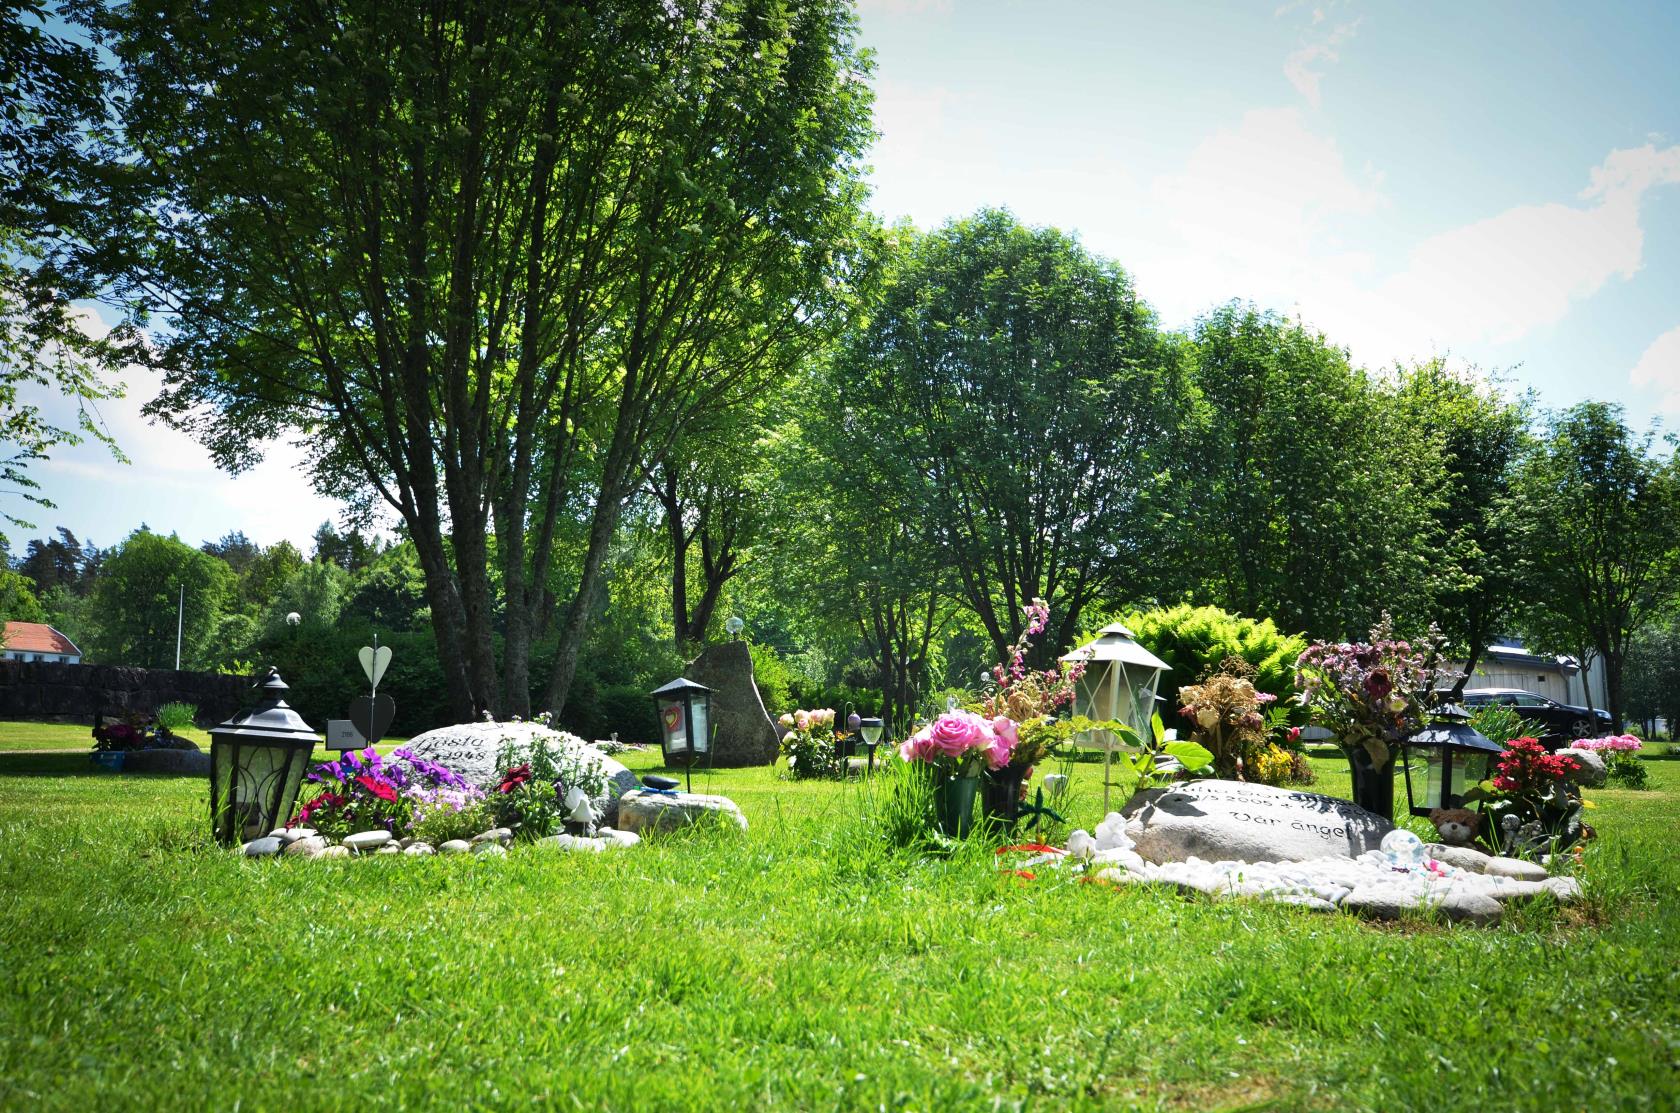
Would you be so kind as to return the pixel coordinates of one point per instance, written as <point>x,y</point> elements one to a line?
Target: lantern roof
<point>1450,726</point>
<point>1116,643</point>
<point>681,686</point>
<point>272,719</point>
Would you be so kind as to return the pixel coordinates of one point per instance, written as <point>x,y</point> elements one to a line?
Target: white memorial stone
<point>1237,821</point>
<point>474,751</point>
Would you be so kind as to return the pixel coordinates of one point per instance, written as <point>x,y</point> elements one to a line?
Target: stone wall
<point>75,693</point>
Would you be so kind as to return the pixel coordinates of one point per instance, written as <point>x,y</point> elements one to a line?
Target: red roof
<point>36,637</point>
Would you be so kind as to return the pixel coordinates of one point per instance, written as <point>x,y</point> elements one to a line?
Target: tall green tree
<point>492,258</point>
<point>1603,515</point>
<point>1307,500</point>
<point>148,584</point>
<point>1025,386</point>
<point>1478,564</point>
<point>56,157</point>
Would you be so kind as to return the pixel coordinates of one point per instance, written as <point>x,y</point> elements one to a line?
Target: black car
<point>1561,723</point>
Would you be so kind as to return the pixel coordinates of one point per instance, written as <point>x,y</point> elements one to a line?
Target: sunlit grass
<point>801,965</point>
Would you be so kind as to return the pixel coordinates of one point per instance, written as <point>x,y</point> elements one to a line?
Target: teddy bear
<point>1457,826</point>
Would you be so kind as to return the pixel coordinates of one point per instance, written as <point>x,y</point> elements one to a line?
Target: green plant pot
<point>953,804</point>
<point>109,759</point>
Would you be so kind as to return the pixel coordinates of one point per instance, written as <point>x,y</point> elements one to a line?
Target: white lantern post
<point>1120,683</point>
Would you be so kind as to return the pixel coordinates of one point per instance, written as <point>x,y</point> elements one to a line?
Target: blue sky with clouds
<point>1496,181</point>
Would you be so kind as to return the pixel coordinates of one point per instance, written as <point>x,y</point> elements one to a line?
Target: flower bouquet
<point>1021,705</point>
<point>810,744</point>
<point>1371,696</point>
<point>954,750</point>
<point>546,784</point>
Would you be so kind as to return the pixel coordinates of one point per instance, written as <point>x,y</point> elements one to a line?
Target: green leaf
<point>1193,756</point>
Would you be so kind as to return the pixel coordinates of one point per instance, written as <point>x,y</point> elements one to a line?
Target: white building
<point>36,641</point>
<point>1506,664</point>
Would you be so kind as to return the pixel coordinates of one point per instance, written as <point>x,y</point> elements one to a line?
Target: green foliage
<point>135,603</point>
<point>17,599</point>
<point>176,717</point>
<point>536,805</point>
<point>1308,497</point>
<point>1016,397</point>
<point>390,593</point>
<point>1194,641</point>
<point>1602,512</point>
<point>314,592</point>
<point>773,678</point>
<point>1500,723</point>
<point>1625,769</point>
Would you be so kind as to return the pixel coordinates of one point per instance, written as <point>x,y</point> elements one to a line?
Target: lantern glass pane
<point>1472,771</point>
<point>260,780</point>
<point>702,714</point>
<point>673,726</point>
<point>871,731</point>
<point>1438,768</point>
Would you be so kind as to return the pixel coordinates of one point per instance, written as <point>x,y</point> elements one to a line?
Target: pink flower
<point>1005,737</point>
<point>802,720</point>
<point>956,732</point>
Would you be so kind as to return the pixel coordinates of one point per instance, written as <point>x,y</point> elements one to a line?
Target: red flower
<point>379,788</point>
<point>324,802</point>
<point>514,777</point>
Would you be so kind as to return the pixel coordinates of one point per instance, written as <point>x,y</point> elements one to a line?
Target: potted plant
<point>1370,696</point>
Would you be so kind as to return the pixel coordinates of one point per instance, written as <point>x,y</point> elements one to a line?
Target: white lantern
<point>1120,683</point>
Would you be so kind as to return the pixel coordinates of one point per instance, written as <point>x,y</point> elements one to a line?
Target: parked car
<point>1561,723</point>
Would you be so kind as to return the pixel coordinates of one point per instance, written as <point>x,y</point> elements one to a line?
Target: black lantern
<point>869,728</point>
<point>257,761</point>
<point>685,727</point>
<point>1455,757</point>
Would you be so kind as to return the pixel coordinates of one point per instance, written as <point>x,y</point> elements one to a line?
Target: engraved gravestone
<point>1241,822</point>
<point>473,750</point>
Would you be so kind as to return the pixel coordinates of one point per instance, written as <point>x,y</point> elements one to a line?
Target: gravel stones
<point>455,846</point>
<point>263,847</point>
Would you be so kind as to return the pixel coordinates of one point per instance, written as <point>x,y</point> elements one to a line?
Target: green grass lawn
<point>801,965</point>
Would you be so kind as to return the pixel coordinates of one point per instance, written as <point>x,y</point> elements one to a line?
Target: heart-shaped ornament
<point>372,715</point>
<point>374,662</point>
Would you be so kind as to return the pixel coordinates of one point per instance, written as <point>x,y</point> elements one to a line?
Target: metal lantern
<point>870,728</point>
<point>257,762</point>
<point>1119,684</point>
<point>685,729</point>
<point>1455,757</point>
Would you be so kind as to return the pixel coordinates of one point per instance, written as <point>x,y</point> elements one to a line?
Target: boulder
<point>1464,857</point>
<point>474,751</point>
<point>1590,769</point>
<point>658,811</point>
<point>1236,821</point>
<point>743,733</point>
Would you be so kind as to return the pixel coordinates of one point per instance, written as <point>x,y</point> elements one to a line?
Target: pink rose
<point>802,720</point>
<point>957,732</point>
<point>1006,736</point>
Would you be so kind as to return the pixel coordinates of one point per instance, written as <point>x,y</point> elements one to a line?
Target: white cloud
<point>1659,369</point>
<point>1298,67</point>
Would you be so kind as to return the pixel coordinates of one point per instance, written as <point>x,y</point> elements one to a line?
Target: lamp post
<point>257,761</point>
<point>685,729</point>
<point>1455,756</point>
<point>869,729</point>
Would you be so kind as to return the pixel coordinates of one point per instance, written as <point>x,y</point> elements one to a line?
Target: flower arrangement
<point>1239,725</point>
<point>810,744</point>
<point>1614,743</point>
<point>1370,694</point>
<point>119,735</point>
<point>546,782</point>
<point>962,744</point>
<point>1014,691</point>
<point>365,791</point>
<point>1530,799</point>
<point>1620,764</point>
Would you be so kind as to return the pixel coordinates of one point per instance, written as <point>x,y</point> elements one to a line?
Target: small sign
<point>343,735</point>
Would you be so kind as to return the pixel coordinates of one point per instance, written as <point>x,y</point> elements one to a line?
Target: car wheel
<point>1580,728</point>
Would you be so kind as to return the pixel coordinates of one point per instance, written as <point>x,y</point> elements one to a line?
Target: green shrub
<point>1499,723</point>
<point>1625,769</point>
<point>174,717</point>
<point>773,677</point>
<point>1193,641</point>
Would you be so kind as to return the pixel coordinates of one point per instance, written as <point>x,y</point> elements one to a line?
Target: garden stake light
<point>684,724</point>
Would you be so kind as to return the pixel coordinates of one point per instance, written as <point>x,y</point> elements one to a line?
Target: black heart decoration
<point>372,716</point>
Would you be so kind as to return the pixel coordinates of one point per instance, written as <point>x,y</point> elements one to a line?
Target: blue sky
<point>1499,182</point>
